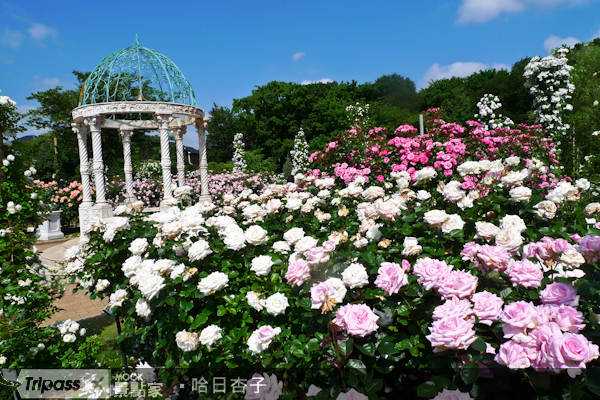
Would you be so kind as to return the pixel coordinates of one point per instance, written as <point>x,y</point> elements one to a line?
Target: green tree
<point>9,126</point>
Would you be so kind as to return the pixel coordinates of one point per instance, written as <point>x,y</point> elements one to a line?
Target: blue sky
<point>225,48</point>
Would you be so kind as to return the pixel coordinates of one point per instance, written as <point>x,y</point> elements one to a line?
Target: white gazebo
<point>135,88</point>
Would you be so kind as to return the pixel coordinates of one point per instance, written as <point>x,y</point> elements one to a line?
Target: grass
<point>106,328</point>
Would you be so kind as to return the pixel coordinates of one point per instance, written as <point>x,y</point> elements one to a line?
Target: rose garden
<point>457,263</point>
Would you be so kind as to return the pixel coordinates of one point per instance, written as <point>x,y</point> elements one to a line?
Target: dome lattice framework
<point>121,75</point>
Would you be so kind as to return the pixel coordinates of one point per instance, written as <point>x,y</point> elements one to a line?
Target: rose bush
<point>433,280</point>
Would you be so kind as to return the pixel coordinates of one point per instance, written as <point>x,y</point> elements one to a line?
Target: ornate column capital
<point>94,122</point>
<point>178,132</point>
<point>126,132</point>
<point>163,120</point>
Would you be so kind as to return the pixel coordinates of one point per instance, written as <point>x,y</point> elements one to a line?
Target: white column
<point>81,131</point>
<point>179,132</point>
<point>101,209</point>
<point>163,121</point>
<point>126,133</point>
<point>201,127</point>
<point>95,126</point>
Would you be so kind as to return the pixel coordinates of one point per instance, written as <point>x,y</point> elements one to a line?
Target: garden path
<point>74,306</point>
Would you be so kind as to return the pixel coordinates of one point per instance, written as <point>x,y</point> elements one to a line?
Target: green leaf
<point>345,347</point>
<point>200,319</point>
<point>479,345</point>
<point>386,348</point>
<point>170,301</point>
<point>572,392</point>
<point>358,366</point>
<point>186,305</point>
<point>368,257</point>
<point>428,389</point>
<point>373,385</point>
<point>505,293</point>
<point>469,373</point>
<point>367,348</point>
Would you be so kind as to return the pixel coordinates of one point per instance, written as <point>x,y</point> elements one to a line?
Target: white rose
<point>120,210</point>
<point>355,276</point>
<point>69,338</point>
<point>256,235</point>
<point>150,285</point>
<point>515,177</point>
<point>425,174</point>
<point>373,192</point>
<point>435,218</point>
<point>339,287</point>
<point>131,265</point>
<point>138,246</point>
<point>255,301</point>
<point>411,246</point>
<point>187,341</point>
<point>388,211</point>
<point>27,173</point>
<point>453,192</point>
<point>281,247</point>
<point>199,250</point>
<point>512,222</point>
<point>469,168</point>
<point>273,206</point>
<point>293,235</point>
<point>486,230</point>
<point>546,209</point>
<point>117,298</point>
<point>373,233</point>
<point>453,222</point>
<point>102,284</point>
<point>520,193</point>
<point>276,304</point>
<point>213,282</point>
<point>572,258</point>
<point>10,158</point>
<point>293,204</point>
<point>592,208</point>
<point>253,212</point>
<point>305,244</point>
<point>210,335</point>
<point>142,308</point>
<point>423,195</point>
<point>582,184</point>
<point>510,239</point>
<point>234,238</point>
<point>261,265</point>
<point>513,161</point>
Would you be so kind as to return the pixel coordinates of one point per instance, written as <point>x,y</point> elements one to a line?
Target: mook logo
<point>64,383</point>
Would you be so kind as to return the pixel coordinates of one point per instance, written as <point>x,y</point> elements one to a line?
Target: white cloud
<point>324,80</point>
<point>596,35</point>
<point>298,55</point>
<point>12,38</point>
<point>498,67</point>
<point>40,31</point>
<point>51,81</point>
<point>458,69</point>
<point>485,10</point>
<point>25,108</point>
<point>553,42</point>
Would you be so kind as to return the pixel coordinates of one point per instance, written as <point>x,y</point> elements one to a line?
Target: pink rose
<point>360,320</point>
<point>323,296</point>
<point>470,251</point>
<point>560,293</point>
<point>488,307</point>
<point>452,395</point>
<point>391,277</point>
<point>526,274</point>
<point>590,248</point>
<point>561,246</point>
<point>541,339</point>
<point>454,307</point>
<point>430,272</point>
<point>266,333</point>
<point>459,284</point>
<point>263,387</point>
<point>451,333</point>
<point>513,355</point>
<point>351,395</point>
<point>572,351</point>
<point>567,318</point>
<point>317,256</point>
<point>493,257</point>
<point>517,317</point>
<point>298,273</point>
<point>341,314</point>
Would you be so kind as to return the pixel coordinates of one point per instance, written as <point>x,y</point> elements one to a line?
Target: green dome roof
<point>119,76</point>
